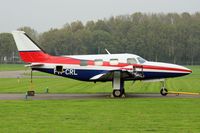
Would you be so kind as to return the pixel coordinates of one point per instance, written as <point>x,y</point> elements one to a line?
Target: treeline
<point>169,37</point>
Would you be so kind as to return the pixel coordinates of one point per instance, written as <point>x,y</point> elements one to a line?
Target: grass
<point>105,115</point>
<point>11,67</point>
<point>100,115</point>
<point>64,85</point>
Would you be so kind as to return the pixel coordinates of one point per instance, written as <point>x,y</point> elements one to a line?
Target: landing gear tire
<point>163,91</point>
<point>118,93</point>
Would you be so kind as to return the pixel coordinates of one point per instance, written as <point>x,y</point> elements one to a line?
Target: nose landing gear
<point>163,90</point>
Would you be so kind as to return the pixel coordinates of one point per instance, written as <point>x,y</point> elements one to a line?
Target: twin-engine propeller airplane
<point>117,68</point>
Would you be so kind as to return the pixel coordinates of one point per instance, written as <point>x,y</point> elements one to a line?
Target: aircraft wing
<point>127,73</point>
<point>96,77</point>
<point>103,76</point>
<point>108,75</point>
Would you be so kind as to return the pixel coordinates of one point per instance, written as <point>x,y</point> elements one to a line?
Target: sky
<point>42,15</point>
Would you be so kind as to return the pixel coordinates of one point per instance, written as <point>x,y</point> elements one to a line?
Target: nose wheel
<point>163,90</point>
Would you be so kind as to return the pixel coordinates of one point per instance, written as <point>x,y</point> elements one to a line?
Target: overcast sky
<point>45,14</point>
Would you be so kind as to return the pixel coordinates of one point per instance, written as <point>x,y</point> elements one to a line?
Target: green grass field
<point>162,115</point>
<point>101,115</point>
<point>11,67</point>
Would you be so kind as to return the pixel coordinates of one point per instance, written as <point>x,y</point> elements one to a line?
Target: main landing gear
<point>118,93</point>
<point>118,85</point>
<point>163,90</point>
<point>118,82</point>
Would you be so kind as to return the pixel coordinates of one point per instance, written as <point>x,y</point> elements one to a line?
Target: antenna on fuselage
<point>107,51</point>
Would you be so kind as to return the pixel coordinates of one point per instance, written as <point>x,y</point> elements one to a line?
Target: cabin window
<point>83,62</point>
<point>131,61</point>
<point>114,62</point>
<point>98,62</point>
<point>59,68</point>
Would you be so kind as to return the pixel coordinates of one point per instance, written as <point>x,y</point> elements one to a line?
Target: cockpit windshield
<point>141,60</point>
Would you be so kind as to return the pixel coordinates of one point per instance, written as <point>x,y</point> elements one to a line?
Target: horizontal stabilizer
<point>34,64</point>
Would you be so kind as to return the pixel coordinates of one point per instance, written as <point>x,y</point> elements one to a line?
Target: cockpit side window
<point>141,60</point>
<point>131,61</point>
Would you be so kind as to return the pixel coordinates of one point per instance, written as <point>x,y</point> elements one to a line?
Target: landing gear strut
<point>163,90</point>
<point>31,92</point>
<point>118,85</point>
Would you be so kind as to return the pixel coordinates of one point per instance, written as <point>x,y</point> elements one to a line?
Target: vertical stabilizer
<point>29,51</point>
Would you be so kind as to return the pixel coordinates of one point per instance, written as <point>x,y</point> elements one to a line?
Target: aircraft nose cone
<point>187,70</point>
<point>184,70</point>
<point>181,70</point>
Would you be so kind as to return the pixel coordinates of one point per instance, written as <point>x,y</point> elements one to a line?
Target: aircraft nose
<point>180,69</point>
<point>184,70</point>
<point>187,70</point>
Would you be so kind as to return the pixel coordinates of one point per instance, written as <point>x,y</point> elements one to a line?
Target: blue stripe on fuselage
<point>79,74</point>
<point>85,75</point>
<point>156,75</point>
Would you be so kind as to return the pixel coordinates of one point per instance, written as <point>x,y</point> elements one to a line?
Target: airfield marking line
<point>178,92</point>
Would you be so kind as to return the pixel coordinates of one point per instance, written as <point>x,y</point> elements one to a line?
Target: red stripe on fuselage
<point>165,68</point>
<point>41,57</point>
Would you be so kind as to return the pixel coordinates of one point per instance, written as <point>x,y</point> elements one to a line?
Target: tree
<point>168,37</point>
<point>8,50</point>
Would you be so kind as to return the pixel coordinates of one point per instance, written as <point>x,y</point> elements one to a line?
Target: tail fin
<point>29,51</point>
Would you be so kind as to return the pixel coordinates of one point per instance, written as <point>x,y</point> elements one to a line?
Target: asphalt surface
<point>11,74</point>
<point>87,96</point>
<point>21,74</point>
